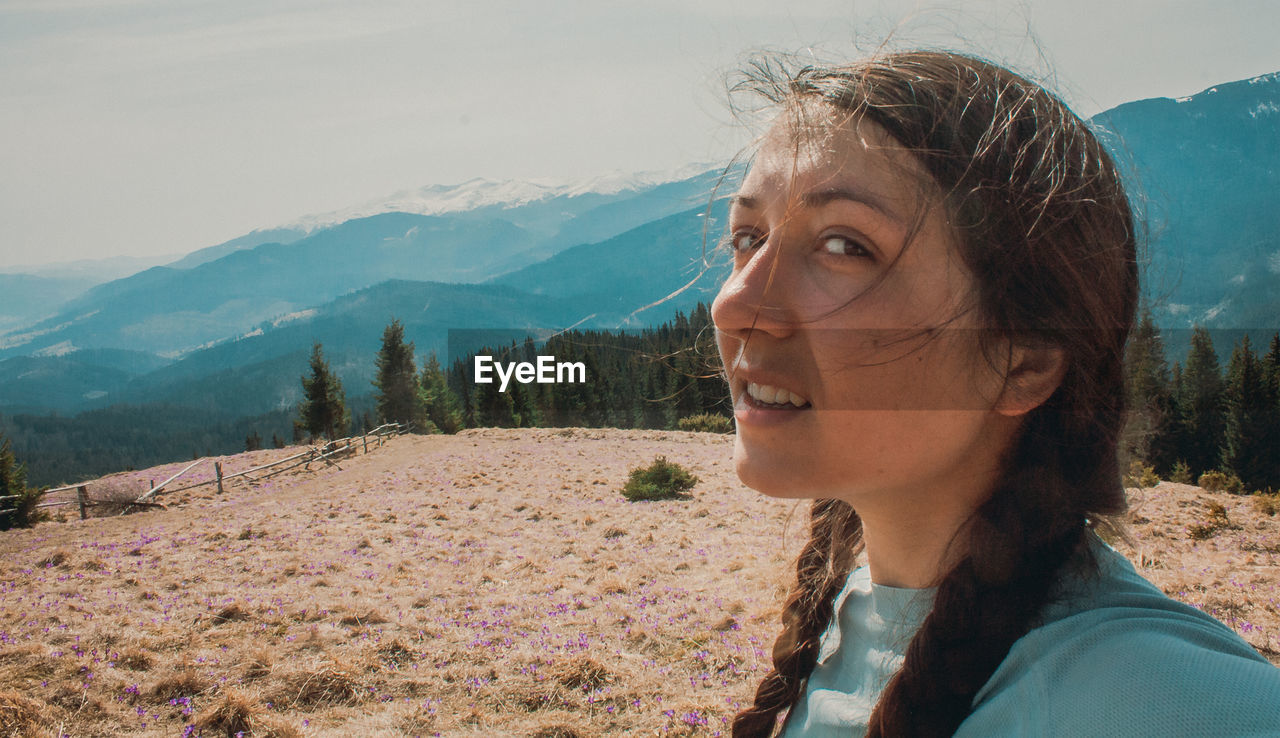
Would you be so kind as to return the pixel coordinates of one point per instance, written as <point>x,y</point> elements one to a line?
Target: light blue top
<point>1113,656</point>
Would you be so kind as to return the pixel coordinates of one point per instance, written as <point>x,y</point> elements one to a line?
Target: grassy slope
<point>491,583</point>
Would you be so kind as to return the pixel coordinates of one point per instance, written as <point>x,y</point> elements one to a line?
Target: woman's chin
<point>770,477</point>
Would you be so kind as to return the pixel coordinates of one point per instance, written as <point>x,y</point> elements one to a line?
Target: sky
<point>157,127</point>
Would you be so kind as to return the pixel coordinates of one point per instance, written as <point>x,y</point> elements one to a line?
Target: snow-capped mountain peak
<point>438,199</point>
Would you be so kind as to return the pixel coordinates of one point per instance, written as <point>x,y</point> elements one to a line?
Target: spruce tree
<point>524,411</point>
<point>568,401</point>
<point>17,503</point>
<point>1248,443</point>
<point>1200,405</point>
<point>1271,366</point>
<point>522,401</point>
<point>494,408</point>
<point>1271,377</point>
<point>458,379</point>
<point>658,408</point>
<point>398,396</point>
<point>1149,428</point>
<point>528,350</point>
<point>682,386</point>
<point>323,410</point>
<point>440,405</point>
<point>589,395</point>
<point>1177,425</point>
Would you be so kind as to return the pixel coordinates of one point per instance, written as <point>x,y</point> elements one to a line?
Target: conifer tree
<point>568,407</point>
<point>440,403</point>
<point>494,408</point>
<point>522,404</point>
<point>658,408</point>
<point>683,388</point>
<point>323,410</point>
<point>1271,378</point>
<point>528,350</point>
<point>398,396</point>
<point>1200,406</point>
<point>524,409</point>
<point>1248,443</point>
<point>458,379</point>
<point>1177,425</point>
<point>1149,430</point>
<point>590,395</point>
<point>16,512</point>
<point>1271,366</point>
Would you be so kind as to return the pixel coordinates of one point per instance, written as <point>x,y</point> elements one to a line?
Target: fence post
<point>217,468</point>
<point>82,495</point>
<point>365,439</point>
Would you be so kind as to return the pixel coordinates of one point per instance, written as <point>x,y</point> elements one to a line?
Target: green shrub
<point>1213,481</point>
<point>1267,504</point>
<point>1215,521</point>
<point>1140,475</point>
<point>706,423</point>
<point>1218,514</point>
<point>1181,473</point>
<point>1219,481</point>
<point>661,480</point>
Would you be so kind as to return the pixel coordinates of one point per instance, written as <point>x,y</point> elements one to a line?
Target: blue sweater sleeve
<point>1128,661</point>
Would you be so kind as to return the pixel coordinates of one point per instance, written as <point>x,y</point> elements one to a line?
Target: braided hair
<point>1042,221</point>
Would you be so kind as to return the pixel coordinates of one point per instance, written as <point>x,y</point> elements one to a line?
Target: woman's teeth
<point>769,395</point>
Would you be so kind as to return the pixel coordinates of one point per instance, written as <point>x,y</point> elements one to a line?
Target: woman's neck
<point>911,554</point>
<point>915,538</point>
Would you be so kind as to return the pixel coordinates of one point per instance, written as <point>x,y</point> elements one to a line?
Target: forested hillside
<point>642,379</point>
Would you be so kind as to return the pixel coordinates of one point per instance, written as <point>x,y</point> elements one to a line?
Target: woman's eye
<point>743,242</point>
<point>842,246</point>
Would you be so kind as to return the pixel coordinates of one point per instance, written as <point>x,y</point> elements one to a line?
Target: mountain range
<point>228,328</point>
<point>1204,174</point>
<point>551,258</point>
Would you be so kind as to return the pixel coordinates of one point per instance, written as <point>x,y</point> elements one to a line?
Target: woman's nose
<point>756,296</point>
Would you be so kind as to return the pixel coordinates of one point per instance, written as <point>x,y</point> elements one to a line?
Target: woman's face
<point>847,328</point>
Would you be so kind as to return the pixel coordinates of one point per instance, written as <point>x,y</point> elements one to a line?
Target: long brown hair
<point>1043,224</point>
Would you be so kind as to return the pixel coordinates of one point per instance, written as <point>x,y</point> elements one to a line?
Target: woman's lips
<point>765,404</point>
<point>767,394</point>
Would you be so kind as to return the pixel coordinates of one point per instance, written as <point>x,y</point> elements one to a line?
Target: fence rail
<point>327,453</point>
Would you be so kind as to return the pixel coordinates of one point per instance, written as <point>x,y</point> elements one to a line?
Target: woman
<point>934,278</point>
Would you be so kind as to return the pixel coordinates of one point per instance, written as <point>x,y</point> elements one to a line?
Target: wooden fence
<point>327,453</point>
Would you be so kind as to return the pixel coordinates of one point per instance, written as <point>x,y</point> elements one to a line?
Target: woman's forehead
<point>819,148</point>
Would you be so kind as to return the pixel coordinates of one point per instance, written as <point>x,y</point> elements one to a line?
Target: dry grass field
<point>490,583</point>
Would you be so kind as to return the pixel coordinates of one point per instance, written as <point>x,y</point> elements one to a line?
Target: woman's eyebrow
<point>818,198</point>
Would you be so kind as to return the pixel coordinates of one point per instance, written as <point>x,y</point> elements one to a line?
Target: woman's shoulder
<point>1112,650</point>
